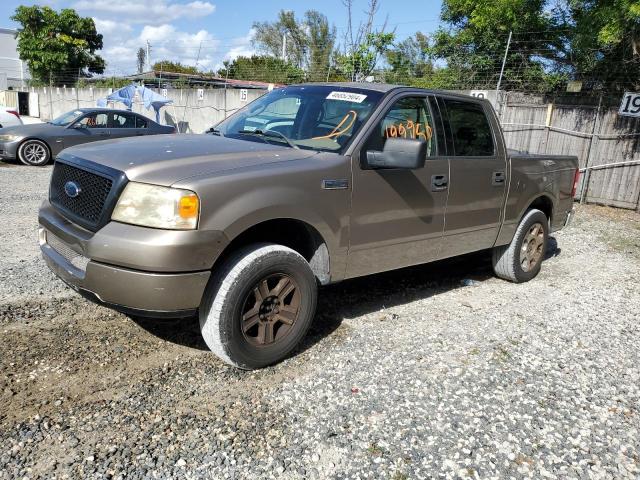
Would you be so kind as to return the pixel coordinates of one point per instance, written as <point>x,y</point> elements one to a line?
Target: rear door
<point>397,215</point>
<point>123,124</point>
<point>478,176</point>
<point>143,127</point>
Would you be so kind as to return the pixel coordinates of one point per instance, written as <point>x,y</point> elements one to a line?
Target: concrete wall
<point>190,112</point>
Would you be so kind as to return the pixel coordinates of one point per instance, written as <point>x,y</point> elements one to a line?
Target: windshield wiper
<point>270,133</point>
<point>215,131</point>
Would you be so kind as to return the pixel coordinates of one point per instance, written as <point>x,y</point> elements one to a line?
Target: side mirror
<point>407,153</point>
<point>77,126</point>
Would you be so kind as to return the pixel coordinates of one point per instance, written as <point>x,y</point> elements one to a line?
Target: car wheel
<point>258,306</point>
<point>520,261</point>
<point>34,152</point>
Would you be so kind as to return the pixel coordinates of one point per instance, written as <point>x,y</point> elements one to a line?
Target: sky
<point>211,31</point>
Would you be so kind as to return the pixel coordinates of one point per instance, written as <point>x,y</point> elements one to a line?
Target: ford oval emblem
<point>72,189</point>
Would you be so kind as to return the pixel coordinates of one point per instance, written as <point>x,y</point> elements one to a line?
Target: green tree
<point>362,45</point>
<point>360,62</point>
<point>141,59</point>
<point>58,47</point>
<point>309,41</point>
<point>262,68</point>
<point>409,60</point>
<point>175,67</point>
<point>605,42</point>
<point>474,43</point>
<point>321,40</point>
<point>269,38</point>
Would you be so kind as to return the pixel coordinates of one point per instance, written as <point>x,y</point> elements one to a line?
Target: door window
<point>409,117</point>
<point>470,129</point>
<point>124,120</point>
<point>141,122</point>
<point>94,120</point>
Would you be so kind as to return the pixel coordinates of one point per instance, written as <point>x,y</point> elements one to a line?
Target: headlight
<point>8,138</point>
<point>157,207</point>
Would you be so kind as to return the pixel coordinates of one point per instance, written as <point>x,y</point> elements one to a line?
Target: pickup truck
<point>307,185</point>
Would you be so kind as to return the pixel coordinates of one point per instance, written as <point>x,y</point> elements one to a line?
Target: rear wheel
<point>520,261</point>
<point>34,152</point>
<point>258,306</point>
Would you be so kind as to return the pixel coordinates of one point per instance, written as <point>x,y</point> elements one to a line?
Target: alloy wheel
<point>532,247</point>
<point>270,310</point>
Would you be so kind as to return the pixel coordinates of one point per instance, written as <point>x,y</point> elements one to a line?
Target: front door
<point>89,128</point>
<point>397,216</point>
<point>478,177</point>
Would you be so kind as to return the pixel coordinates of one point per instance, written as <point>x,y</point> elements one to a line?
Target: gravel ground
<point>418,373</point>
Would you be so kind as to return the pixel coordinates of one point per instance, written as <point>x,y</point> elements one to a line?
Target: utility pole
<point>284,46</point>
<point>504,61</point>
<point>78,86</point>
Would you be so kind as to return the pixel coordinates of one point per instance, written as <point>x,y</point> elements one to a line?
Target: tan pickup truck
<point>307,185</point>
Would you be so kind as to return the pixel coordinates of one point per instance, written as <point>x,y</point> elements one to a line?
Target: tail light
<point>576,179</point>
<point>13,112</point>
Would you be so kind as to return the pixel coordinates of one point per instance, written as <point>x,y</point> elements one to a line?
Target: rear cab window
<point>469,128</point>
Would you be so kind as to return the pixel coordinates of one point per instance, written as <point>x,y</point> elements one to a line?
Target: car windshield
<point>315,117</point>
<point>66,118</point>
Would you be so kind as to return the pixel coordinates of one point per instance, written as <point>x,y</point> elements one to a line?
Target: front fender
<point>235,202</point>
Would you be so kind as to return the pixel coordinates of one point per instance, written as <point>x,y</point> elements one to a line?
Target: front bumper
<point>9,150</point>
<point>129,268</point>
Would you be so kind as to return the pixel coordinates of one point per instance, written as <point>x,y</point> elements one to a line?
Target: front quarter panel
<point>235,200</point>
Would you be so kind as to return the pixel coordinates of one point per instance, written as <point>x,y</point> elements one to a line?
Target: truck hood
<point>167,159</point>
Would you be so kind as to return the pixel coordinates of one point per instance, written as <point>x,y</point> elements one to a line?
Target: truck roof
<point>382,87</point>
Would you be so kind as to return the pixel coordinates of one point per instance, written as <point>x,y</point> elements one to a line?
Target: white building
<point>13,71</point>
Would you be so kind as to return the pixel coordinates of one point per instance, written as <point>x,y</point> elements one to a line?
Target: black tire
<point>235,297</point>
<point>34,152</point>
<point>515,261</point>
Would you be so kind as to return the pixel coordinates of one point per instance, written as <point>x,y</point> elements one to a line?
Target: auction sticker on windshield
<point>347,97</point>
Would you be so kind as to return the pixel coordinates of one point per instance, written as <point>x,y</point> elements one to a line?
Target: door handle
<point>498,178</point>
<point>439,183</point>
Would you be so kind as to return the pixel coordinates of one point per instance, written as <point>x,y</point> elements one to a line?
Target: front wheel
<point>258,306</point>
<point>520,261</point>
<point>34,152</point>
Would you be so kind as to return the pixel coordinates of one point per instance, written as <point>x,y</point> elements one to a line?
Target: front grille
<point>88,206</point>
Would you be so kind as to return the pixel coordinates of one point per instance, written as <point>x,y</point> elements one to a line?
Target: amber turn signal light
<point>188,206</point>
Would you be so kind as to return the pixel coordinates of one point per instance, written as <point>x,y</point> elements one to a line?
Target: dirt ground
<point>434,371</point>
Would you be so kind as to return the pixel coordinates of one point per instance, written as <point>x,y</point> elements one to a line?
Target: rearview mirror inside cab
<point>405,153</point>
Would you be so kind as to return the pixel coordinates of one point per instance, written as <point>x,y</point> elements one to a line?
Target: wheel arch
<point>542,202</point>
<point>296,234</point>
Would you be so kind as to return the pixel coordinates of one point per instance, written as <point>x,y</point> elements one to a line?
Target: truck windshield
<point>313,117</point>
